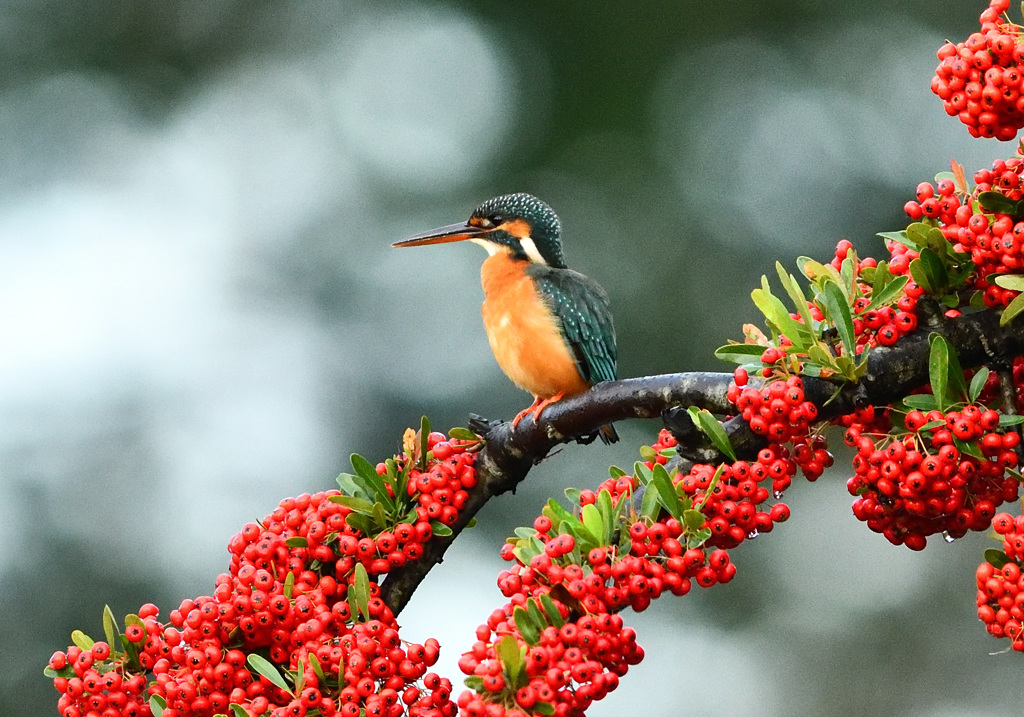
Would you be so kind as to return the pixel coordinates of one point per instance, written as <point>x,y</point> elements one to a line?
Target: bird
<point>550,327</point>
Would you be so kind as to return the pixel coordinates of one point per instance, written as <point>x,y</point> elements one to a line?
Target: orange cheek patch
<point>518,228</point>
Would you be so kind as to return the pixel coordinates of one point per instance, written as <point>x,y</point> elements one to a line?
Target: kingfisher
<point>550,327</point>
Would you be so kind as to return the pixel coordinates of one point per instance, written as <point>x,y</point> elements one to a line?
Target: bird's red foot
<point>536,408</point>
<point>522,414</point>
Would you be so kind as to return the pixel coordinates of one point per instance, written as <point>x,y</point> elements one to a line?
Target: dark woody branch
<point>508,454</point>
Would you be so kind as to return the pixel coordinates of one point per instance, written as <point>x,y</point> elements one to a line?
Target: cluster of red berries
<point>568,664</point>
<point>882,326</point>
<point>979,80</point>
<point>91,689</point>
<point>994,241</point>
<point>732,506</point>
<point>443,489</point>
<point>918,483</point>
<point>1001,589</point>
<point>588,569</point>
<point>779,412</point>
<point>289,592</point>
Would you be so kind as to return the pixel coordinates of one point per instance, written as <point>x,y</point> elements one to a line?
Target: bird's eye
<point>496,219</point>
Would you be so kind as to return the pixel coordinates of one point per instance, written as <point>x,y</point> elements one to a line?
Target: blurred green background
<point>200,313</point>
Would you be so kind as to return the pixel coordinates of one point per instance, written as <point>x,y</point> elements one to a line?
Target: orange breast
<point>524,335</point>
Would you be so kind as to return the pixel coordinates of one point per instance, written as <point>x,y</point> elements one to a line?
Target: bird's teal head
<point>520,224</point>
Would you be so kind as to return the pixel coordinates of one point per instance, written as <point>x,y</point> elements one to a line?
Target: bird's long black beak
<point>453,232</point>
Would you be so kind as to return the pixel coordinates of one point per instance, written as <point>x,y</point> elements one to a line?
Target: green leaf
<point>957,384</point>
<point>901,238</point>
<point>157,705</point>
<point>918,233</point>
<point>932,238</point>
<point>359,505</point>
<point>463,434</point>
<point>711,486</point>
<point>847,270</point>
<point>557,513</point>
<point>694,520</point>
<point>796,295</point>
<point>347,484</point>
<point>928,268</point>
<point>82,640</point>
<point>424,439</point>
<point>526,626</point>
<point>299,676</point>
<point>361,591</point>
<point>650,504</point>
<point>920,276</point>
<point>363,523</point>
<point>616,472</point>
<point>509,653</point>
<point>536,614</point>
<point>740,353</point>
<point>543,708</point>
<point>1013,282</point>
<point>367,477</point>
<point>67,671</point>
<point>998,203</point>
<point>878,276</point>
<point>296,541</point>
<point>289,584</point>
<point>648,453</point>
<point>1010,420</point>
<point>608,517</point>
<point>318,670</point>
<point>709,425</point>
<point>969,448</point>
<point>938,369</point>
<point>890,293</point>
<point>110,629</point>
<point>551,610</point>
<point>440,529</point>
<point>778,316</point>
<point>1012,309</point>
<point>698,539</point>
<point>837,310</point>
<point>267,669</point>
<point>593,523</point>
<point>237,710</point>
<point>662,483</point>
<point>921,401</point>
<point>978,384</point>
<point>997,558</point>
<point>642,473</point>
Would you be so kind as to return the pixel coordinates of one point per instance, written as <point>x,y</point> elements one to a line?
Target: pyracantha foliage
<point>296,626</point>
<point>559,643</point>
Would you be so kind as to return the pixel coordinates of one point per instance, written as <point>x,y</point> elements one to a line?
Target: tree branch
<point>892,373</point>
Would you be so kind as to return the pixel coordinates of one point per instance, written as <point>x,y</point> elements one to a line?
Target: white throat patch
<point>491,247</point>
<point>530,247</point>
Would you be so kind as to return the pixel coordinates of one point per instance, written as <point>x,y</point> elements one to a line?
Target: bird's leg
<point>537,407</point>
<point>522,414</point>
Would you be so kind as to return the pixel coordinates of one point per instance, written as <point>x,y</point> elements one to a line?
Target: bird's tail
<point>608,434</point>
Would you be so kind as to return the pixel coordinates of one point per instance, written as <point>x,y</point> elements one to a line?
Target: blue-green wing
<point>582,308</point>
